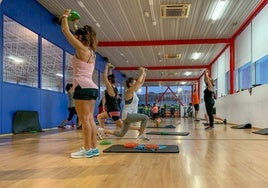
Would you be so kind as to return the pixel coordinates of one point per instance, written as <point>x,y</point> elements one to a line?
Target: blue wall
<point>51,105</point>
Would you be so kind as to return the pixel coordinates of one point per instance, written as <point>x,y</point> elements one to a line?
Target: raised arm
<point>109,86</point>
<point>208,80</point>
<point>140,81</point>
<point>79,46</point>
<point>137,85</point>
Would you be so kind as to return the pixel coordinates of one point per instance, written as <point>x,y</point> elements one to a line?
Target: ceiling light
<point>152,12</point>
<point>218,11</point>
<point>196,55</point>
<point>188,73</point>
<point>183,83</point>
<point>16,60</point>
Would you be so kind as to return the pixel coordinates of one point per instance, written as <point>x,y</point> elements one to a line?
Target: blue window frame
<point>261,70</point>
<point>244,76</point>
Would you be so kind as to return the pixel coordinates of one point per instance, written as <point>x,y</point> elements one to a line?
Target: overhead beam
<point>161,42</point>
<point>170,79</point>
<point>164,67</point>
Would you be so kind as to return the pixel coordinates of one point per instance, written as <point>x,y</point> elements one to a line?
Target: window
<point>52,66</point>
<point>20,54</point>
<point>244,76</point>
<point>261,70</point>
<point>173,94</point>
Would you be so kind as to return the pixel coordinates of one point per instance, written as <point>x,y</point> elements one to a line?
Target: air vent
<point>175,11</point>
<point>172,56</point>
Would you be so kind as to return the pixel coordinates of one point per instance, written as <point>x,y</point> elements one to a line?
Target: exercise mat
<point>168,133</point>
<point>122,149</point>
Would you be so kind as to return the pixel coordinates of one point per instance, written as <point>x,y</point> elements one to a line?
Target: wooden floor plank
<point>221,158</point>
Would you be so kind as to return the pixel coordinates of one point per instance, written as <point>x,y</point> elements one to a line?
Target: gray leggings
<point>131,118</point>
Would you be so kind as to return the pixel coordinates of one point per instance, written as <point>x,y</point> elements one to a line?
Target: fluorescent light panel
<point>17,60</point>
<point>196,55</point>
<point>188,73</point>
<point>218,11</point>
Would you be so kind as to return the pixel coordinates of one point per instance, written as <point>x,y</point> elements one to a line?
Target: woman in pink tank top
<point>85,90</point>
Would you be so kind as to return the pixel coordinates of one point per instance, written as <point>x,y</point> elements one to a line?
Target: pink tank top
<point>83,71</point>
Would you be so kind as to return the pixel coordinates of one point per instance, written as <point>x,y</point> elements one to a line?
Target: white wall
<point>241,108</point>
<point>243,48</point>
<point>259,35</point>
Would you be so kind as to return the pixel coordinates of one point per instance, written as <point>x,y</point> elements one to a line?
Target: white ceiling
<point>130,40</point>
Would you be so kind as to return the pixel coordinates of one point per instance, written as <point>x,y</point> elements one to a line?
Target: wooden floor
<point>219,158</point>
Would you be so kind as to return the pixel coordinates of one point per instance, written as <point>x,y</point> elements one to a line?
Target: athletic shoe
<point>81,153</point>
<point>61,127</point>
<point>100,133</point>
<point>143,137</point>
<point>225,121</point>
<point>209,127</point>
<point>92,153</point>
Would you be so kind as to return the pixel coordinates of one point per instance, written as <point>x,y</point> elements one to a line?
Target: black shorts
<point>85,93</point>
<point>196,107</point>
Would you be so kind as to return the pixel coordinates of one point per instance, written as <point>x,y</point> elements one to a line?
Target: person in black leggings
<point>208,98</point>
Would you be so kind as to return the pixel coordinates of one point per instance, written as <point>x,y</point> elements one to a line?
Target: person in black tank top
<point>209,99</point>
<point>111,94</point>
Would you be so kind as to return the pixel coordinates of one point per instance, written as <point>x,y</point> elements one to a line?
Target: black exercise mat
<point>26,121</point>
<point>217,122</point>
<point>165,127</point>
<point>242,126</point>
<point>168,133</point>
<point>121,149</point>
<point>262,131</point>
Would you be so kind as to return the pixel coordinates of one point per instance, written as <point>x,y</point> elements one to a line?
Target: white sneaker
<point>81,153</point>
<point>100,133</point>
<point>143,137</point>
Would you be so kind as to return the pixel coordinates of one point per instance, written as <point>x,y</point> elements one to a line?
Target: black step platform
<point>242,126</point>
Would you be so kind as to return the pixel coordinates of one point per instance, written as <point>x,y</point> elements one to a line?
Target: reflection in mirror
<point>20,54</point>
<point>52,63</point>
<point>68,69</point>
